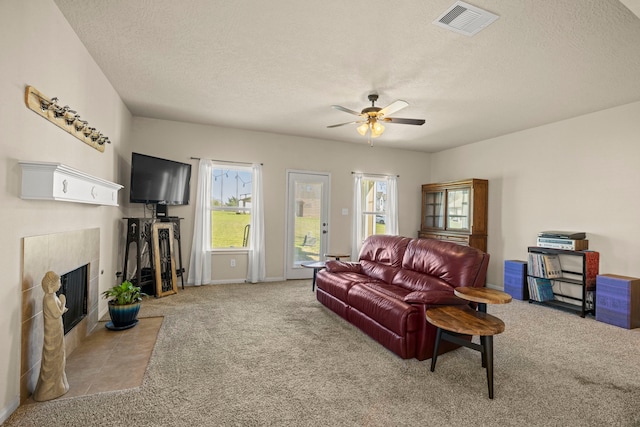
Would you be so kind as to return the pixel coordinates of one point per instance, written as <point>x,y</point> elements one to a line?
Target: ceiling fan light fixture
<point>363,128</point>
<point>376,129</point>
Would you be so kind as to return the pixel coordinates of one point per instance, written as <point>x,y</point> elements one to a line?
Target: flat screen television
<point>159,181</point>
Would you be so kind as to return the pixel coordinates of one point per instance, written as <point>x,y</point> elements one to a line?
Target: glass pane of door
<point>307,224</point>
<point>458,209</point>
<point>434,209</point>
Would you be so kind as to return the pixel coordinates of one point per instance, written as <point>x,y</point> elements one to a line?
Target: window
<point>374,206</point>
<point>229,214</point>
<point>231,208</point>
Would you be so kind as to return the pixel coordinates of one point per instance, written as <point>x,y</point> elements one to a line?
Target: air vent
<point>465,19</point>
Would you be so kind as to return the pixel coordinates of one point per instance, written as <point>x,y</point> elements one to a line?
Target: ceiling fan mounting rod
<point>373,110</point>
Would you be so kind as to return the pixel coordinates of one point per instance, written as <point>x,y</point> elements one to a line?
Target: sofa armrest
<point>343,267</point>
<point>434,298</point>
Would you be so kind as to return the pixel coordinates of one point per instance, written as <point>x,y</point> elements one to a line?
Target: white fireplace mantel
<point>55,181</point>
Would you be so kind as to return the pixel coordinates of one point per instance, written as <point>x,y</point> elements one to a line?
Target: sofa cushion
<point>454,264</point>
<point>343,266</point>
<point>338,284</point>
<point>383,249</point>
<point>381,256</point>
<point>433,298</point>
<point>416,281</point>
<point>377,271</point>
<point>392,313</point>
<point>388,289</point>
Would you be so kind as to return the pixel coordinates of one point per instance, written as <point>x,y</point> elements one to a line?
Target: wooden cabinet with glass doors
<point>456,211</point>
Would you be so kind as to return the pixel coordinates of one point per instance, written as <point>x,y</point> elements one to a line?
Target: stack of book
<point>541,268</point>
<point>544,265</point>
<point>568,240</point>
<point>540,289</point>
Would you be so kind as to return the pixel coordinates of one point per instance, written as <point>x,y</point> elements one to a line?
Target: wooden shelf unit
<point>456,211</point>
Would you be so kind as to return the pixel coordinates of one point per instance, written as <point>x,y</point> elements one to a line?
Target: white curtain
<point>356,243</point>
<point>392,206</point>
<point>200,263</point>
<point>257,269</point>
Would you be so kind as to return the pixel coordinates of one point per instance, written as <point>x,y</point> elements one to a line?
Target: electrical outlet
<point>233,263</point>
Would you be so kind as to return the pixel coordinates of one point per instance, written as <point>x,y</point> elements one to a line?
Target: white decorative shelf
<point>55,181</point>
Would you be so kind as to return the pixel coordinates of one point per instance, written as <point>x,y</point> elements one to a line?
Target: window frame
<point>375,213</point>
<point>231,168</point>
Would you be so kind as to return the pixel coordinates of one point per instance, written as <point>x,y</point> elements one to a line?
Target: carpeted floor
<point>270,354</point>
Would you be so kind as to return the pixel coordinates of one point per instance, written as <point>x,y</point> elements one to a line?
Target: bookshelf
<point>572,289</point>
<point>456,211</point>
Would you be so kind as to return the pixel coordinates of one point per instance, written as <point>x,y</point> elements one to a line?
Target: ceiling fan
<point>371,117</point>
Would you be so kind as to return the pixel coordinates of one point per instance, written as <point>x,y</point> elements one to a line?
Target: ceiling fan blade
<point>346,110</point>
<point>348,123</point>
<point>393,107</point>
<point>404,121</point>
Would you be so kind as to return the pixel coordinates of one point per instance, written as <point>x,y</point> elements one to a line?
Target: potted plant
<point>124,305</point>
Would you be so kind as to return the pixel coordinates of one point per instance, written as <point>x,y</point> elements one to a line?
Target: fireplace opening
<point>74,287</point>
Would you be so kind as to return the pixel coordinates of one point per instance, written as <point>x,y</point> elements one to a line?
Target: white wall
<point>180,141</point>
<point>38,48</point>
<point>581,174</point>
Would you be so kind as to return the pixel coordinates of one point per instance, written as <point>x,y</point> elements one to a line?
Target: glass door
<point>434,209</point>
<point>307,221</point>
<point>458,209</point>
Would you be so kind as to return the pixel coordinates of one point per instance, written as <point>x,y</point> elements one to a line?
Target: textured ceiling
<point>278,66</point>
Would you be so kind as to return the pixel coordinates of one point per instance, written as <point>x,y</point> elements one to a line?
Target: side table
<point>452,322</point>
<point>482,296</point>
<point>317,266</point>
<point>336,255</point>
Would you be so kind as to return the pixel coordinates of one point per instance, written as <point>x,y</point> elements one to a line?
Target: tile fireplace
<point>62,253</point>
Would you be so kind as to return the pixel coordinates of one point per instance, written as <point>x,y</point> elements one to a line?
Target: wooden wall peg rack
<point>65,118</point>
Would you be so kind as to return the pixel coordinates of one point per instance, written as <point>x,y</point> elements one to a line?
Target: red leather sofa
<point>396,279</point>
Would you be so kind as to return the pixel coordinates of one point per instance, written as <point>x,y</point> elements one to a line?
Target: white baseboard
<point>496,287</point>
<point>6,412</point>
<point>232,281</point>
<point>275,279</point>
<point>103,313</point>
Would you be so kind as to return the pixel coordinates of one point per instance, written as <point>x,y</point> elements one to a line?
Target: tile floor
<point>111,360</point>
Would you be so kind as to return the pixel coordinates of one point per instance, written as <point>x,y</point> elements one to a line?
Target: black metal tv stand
<point>139,231</point>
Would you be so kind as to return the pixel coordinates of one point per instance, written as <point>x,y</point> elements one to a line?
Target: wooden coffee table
<point>453,322</point>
